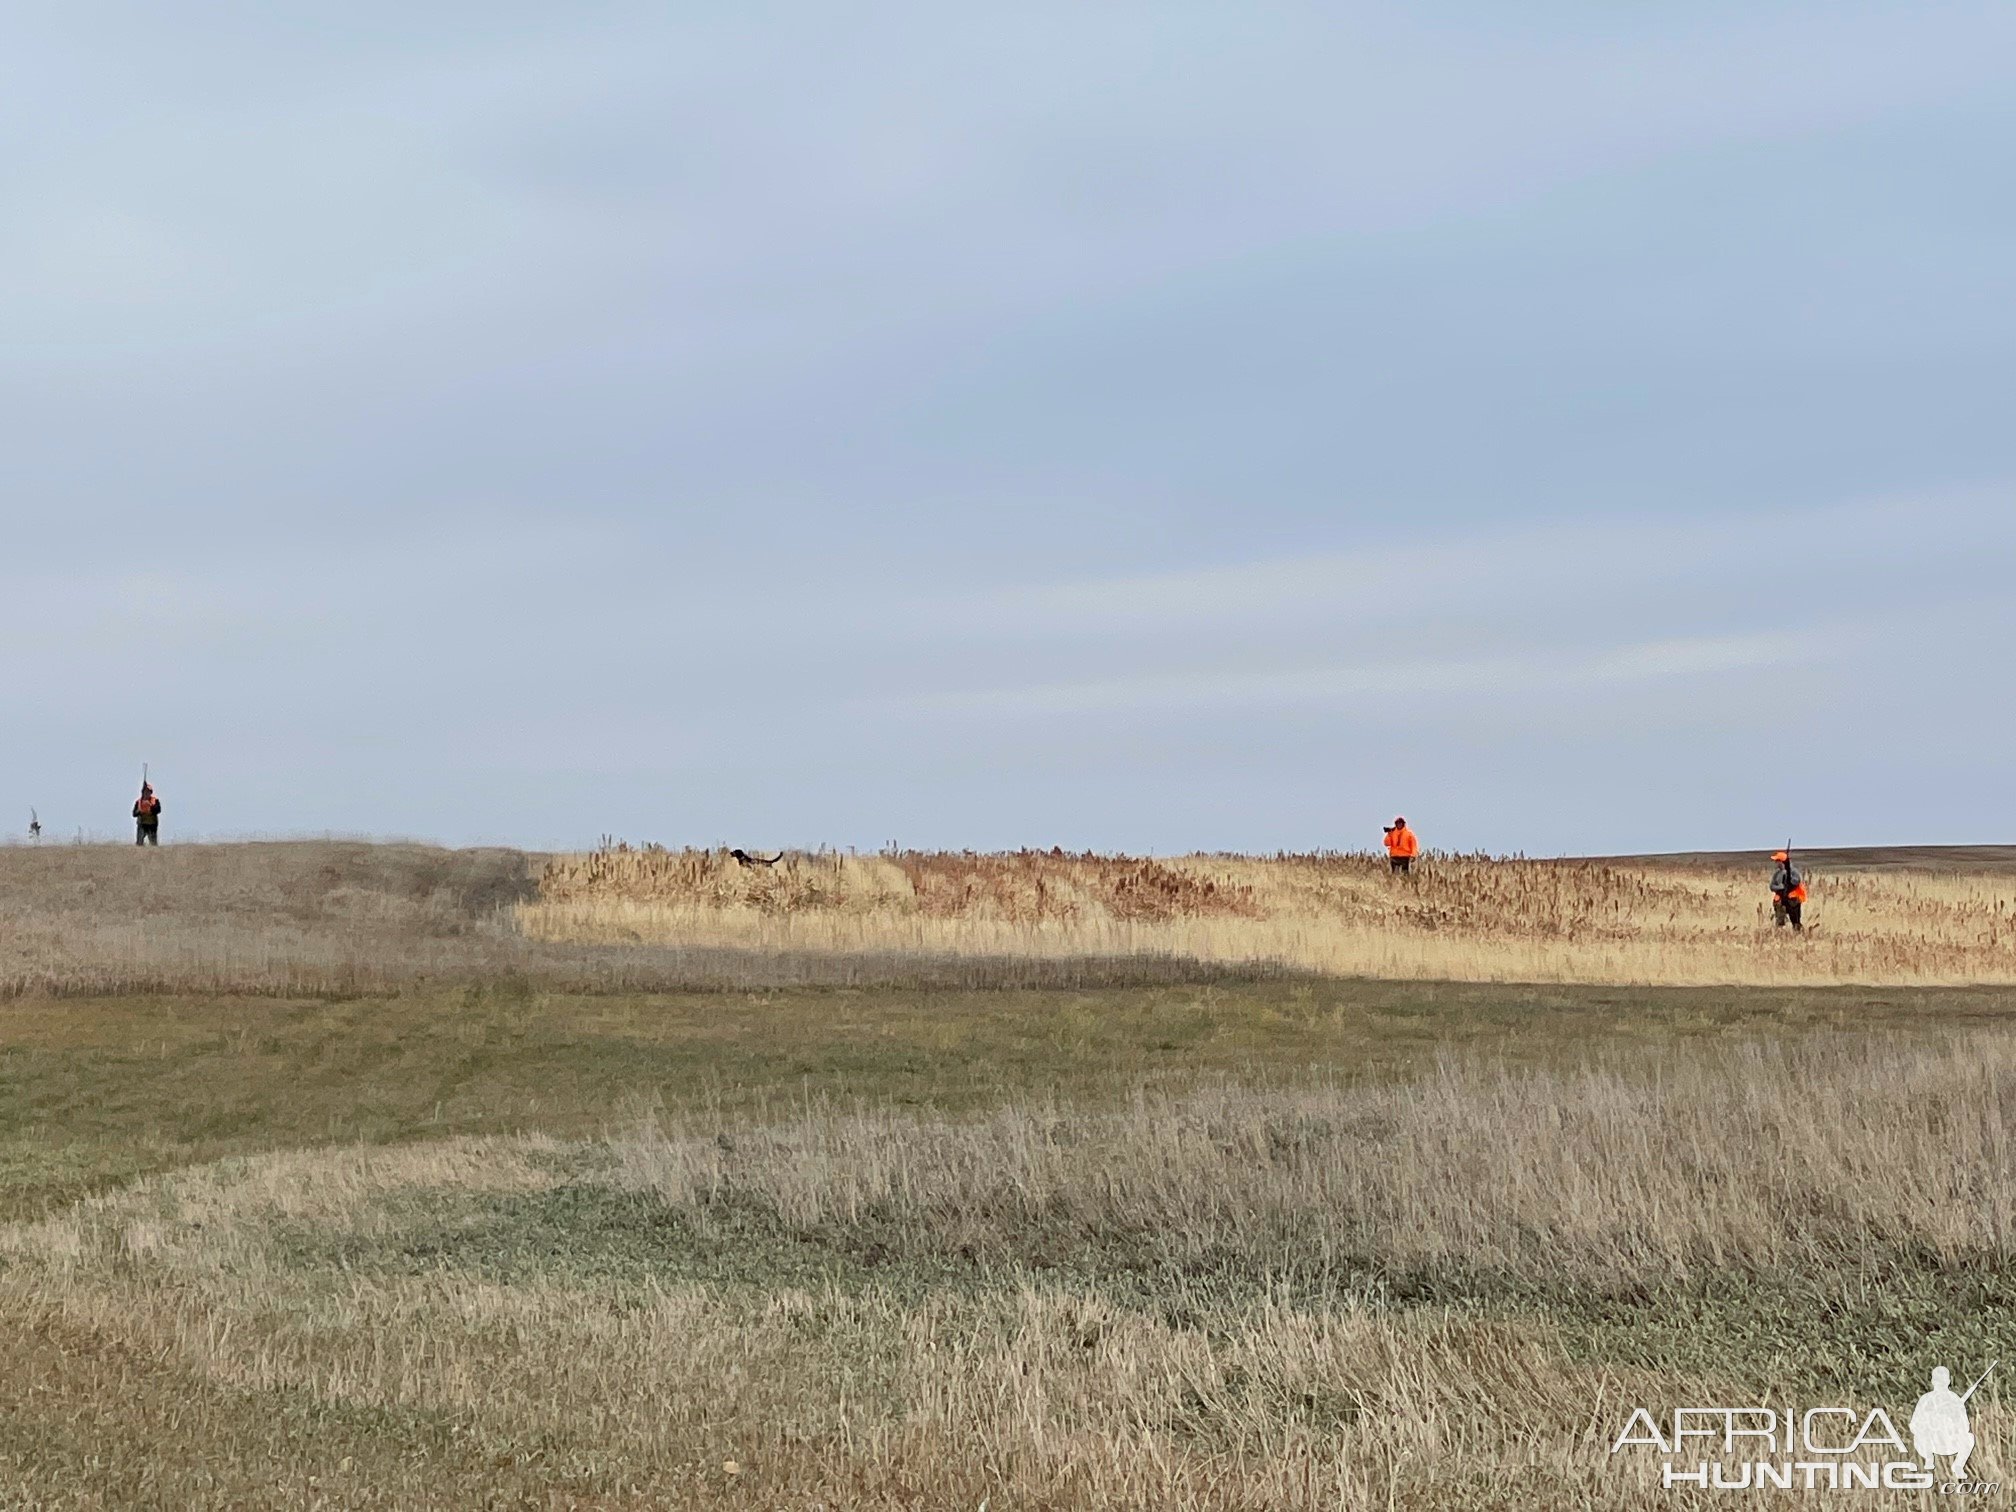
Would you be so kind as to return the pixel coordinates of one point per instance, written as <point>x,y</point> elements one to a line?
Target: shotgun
<point>1977,1385</point>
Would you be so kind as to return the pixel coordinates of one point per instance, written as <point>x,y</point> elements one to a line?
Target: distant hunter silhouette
<point>1788,893</point>
<point>147,817</point>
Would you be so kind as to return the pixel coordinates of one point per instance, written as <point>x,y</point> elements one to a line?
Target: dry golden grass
<point>1439,1295</point>
<point>340,918</point>
<point>1458,918</point>
<point>345,918</point>
<point>1271,1244</point>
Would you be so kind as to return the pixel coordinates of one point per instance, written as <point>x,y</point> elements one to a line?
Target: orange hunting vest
<point>1402,843</point>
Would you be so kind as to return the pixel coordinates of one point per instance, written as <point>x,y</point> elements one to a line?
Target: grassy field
<point>337,919</point>
<point>535,1238</point>
<point>344,919</point>
<point>1877,918</point>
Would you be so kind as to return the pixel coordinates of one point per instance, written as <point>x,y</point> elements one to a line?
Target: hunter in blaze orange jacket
<point>147,817</point>
<point>1402,845</point>
<point>1788,893</point>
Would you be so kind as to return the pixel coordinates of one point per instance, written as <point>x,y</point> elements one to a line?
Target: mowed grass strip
<point>95,1092</point>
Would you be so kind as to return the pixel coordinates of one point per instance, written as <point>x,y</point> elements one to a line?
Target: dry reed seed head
<point>1473,918</point>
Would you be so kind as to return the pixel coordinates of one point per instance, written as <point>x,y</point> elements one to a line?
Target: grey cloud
<point>501,416</point>
<point>1396,686</point>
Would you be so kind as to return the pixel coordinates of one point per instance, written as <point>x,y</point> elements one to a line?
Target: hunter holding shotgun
<point>1788,892</point>
<point>147,814</point>
<point>1402,846</point>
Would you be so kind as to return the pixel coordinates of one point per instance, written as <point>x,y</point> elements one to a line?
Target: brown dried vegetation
<point>1448,1293</point>
<point>1470,918</point>
<point>338,918</point>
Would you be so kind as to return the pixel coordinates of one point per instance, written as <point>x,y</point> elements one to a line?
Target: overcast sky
<point>1579,426</point>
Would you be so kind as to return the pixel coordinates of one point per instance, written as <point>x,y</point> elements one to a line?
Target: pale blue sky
<point>1581,427</point>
